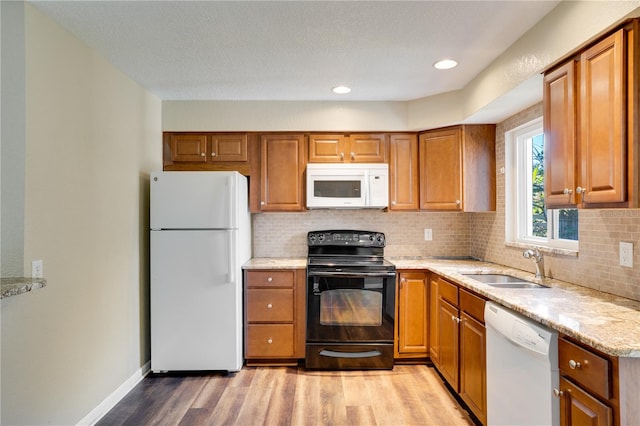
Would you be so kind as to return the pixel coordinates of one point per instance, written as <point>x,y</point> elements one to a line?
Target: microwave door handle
<point>366,187</point>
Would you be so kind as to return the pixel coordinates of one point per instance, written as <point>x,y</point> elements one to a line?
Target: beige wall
<point>599,234</point>
<point>92,136</point>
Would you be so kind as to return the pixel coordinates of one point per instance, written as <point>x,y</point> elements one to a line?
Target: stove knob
<point>380,239</point>
<point>312,238</point>
<point>321,237</point>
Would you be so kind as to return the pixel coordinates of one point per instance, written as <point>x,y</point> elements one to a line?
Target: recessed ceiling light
<point>445,64</point>
<point>341,90</point>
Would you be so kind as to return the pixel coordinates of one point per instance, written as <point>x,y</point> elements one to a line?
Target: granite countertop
<point>15,286</point>
<point>603,321</point>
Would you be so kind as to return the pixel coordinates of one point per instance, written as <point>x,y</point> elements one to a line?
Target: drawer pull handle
<point>269,279</point>
<point>558,393</point>
<point>574,365</point>
<point>269,340</point>
<point>269,306</point>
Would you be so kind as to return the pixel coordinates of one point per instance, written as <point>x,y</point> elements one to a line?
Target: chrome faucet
<point>538,258</point>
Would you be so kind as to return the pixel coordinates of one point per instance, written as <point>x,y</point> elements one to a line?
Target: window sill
<point>546,250</point>
<point>15,286</point>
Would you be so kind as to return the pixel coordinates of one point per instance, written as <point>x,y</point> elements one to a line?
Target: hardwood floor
<point>406,395</point>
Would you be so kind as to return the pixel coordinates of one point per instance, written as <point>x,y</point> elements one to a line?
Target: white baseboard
<point>103,408</point>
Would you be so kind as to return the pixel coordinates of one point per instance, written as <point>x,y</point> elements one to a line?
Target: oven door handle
<point>351,274</point>
<point>336,354</point>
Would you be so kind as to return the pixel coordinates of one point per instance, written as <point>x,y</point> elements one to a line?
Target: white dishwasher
<point>522,370</point>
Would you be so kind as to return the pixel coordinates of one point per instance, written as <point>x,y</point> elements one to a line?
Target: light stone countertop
<point>15,286</point>
<point>603,321</point>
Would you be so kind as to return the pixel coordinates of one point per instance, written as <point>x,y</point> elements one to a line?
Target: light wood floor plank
<point>291,396</point>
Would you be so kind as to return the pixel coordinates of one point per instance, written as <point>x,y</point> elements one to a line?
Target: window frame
<point>517,224</point>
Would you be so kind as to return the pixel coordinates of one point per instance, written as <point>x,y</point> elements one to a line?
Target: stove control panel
<point>346,238</point>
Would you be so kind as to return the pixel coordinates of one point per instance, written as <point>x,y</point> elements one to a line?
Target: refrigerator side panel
<point>196,304</point>
<point>193,200</point>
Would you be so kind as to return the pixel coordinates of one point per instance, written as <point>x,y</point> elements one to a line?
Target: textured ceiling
<point>297,50</point>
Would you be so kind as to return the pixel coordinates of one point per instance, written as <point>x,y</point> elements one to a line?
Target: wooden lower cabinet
<point>275,320</point>
<point>412,312</point>
<point>460,343</point>
<point>577,407</point>
<point>588,390</point>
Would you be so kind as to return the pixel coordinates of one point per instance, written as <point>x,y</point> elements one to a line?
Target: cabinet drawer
<point>270,305</point>
<point>448,291</point>
<point>593,371</point>
<point>269,341</point>
<point>472,304</point>
<point>270,279</point>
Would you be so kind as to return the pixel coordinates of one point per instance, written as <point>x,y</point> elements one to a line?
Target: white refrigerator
<point>200,237</point>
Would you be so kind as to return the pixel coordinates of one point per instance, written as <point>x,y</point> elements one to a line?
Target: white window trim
<point>514,220</point>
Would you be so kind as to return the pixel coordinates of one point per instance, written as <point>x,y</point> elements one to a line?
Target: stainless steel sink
<point>504,281</point>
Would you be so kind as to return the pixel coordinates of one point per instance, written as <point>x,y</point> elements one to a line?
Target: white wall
<point>92,136</point>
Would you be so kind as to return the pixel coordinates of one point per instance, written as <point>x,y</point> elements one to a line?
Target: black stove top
<point>347,249</point>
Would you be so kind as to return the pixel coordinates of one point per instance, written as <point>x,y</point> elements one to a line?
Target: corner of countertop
<point>14,286</point>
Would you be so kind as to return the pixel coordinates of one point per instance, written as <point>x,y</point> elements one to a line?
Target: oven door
<point>350,319</point>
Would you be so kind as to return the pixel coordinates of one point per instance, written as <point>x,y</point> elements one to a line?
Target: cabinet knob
<point>269,340</point>
<point>269,279</point>
<point>558,393</point>
<point>567,191</point>
<point>458,202</point>
<point>213,154</point>
<point>262,203</point>
<point>574,364</point>
<point>353,156</point>
<point>269,306</point>
<point>581,190</point>
<point>342,155</point>
<point>202,154</point>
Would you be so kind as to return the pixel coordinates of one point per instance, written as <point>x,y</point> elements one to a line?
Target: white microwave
<point>347,186</point>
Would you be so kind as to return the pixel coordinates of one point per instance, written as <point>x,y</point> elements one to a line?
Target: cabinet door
<point>403,172</point>
<point>448,336</point>
<point>602,121</point>
<point>579,408</point>
<point>191,148</point>
<point>473,367</point>
<point>413,310</point>
<point>228,148</point>
<point>327,149</point>
<point>367,148</point>
<point>441,170</point>
<point>434,314</point>
<point>560,136</point>
<point>282,171</point>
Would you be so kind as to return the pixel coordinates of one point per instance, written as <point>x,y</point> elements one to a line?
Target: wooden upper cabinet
<point>403,172</point>
<point>560,135</point>
<point>603,121</point>
<point>228,147</point>
<point>353,148</point>
<point>591,110</point>
<point>282,172</point>
<point>457,168</point>
<point>206,151</point>
<point>188,147</point>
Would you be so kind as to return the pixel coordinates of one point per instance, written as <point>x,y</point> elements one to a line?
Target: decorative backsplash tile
<point>480,235</point>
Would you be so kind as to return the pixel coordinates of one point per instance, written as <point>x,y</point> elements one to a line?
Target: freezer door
<point>196,301</point>
<point>195,200</point>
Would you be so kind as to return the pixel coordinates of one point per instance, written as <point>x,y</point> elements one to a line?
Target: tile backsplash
<point>480,235</point>
<point>284,234</point>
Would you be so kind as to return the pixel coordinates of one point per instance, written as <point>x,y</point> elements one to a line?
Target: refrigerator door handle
<point>232,250</point>
<point>231,188</point>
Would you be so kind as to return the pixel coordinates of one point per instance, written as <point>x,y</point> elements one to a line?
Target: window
<point>528,221</point>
